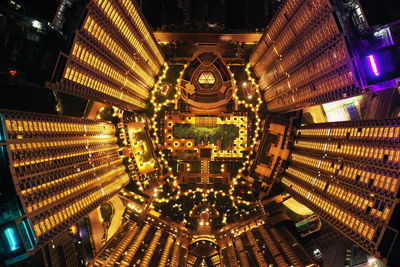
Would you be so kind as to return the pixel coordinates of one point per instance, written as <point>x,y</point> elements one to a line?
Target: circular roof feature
<point>207,82</point>
<point>206,78</point>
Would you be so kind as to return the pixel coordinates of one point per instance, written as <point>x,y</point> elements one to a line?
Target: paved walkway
<point>205,176</point>
<point>97,223</point>
<point>116,219</point>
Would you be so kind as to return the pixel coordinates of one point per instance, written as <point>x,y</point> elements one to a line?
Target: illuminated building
<point>262,244</point>
<point>114,58</point>
<point>347,172</point>
<point>61,251</point>
<point>60,168</point>
<point>148,242</point>
<point>303,59</point>
<point>156,242</point>
<point>202,151</point>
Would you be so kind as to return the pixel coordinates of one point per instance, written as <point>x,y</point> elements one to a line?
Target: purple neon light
<point>373,64</point>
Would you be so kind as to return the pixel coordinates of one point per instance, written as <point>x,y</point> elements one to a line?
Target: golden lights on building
<point>302,58</point>
<point>153,242</point>
<point>62,168</point>
<point>114,58</point>
<point>347,172</point>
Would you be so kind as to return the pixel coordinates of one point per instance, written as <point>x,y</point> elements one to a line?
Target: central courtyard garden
<point>224,133</point>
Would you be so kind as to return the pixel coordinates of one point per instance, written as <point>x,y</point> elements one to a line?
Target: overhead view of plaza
<point>200,133</point>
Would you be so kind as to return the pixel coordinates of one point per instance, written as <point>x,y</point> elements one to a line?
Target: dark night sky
<point>159,12</point>
<point>237,14</point>
<point>380,12</point>
<point>40,9</point>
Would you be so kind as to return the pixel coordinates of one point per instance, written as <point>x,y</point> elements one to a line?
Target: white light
<point>36,24</point>
<point>317,251</point>
<point>372,261</point>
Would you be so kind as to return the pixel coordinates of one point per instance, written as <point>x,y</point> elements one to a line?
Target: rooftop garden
<point>225,133</point>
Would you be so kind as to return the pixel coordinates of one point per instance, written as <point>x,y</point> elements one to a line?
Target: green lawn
<point>224,133</point>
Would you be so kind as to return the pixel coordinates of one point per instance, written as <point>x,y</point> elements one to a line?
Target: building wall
<point>261,244</point>
<point>61,252</point>
<point>347,172</point>
<point>302,59</point>
<point>150,242</point>
<point>61,168</point>
<point>145,243</point>
<point>114,58</point>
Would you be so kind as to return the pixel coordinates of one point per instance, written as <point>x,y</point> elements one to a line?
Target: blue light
<point>16,259</point>
<point>11,238</point>
<point>4,132</point>
<point>28,234</point>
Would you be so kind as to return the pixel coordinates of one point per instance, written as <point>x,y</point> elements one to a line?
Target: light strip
<point>27,233</point>
<point>372,62</point>
<point>10,238</point>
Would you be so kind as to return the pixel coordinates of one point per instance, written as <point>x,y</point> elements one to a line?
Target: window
<point>206,78</point>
